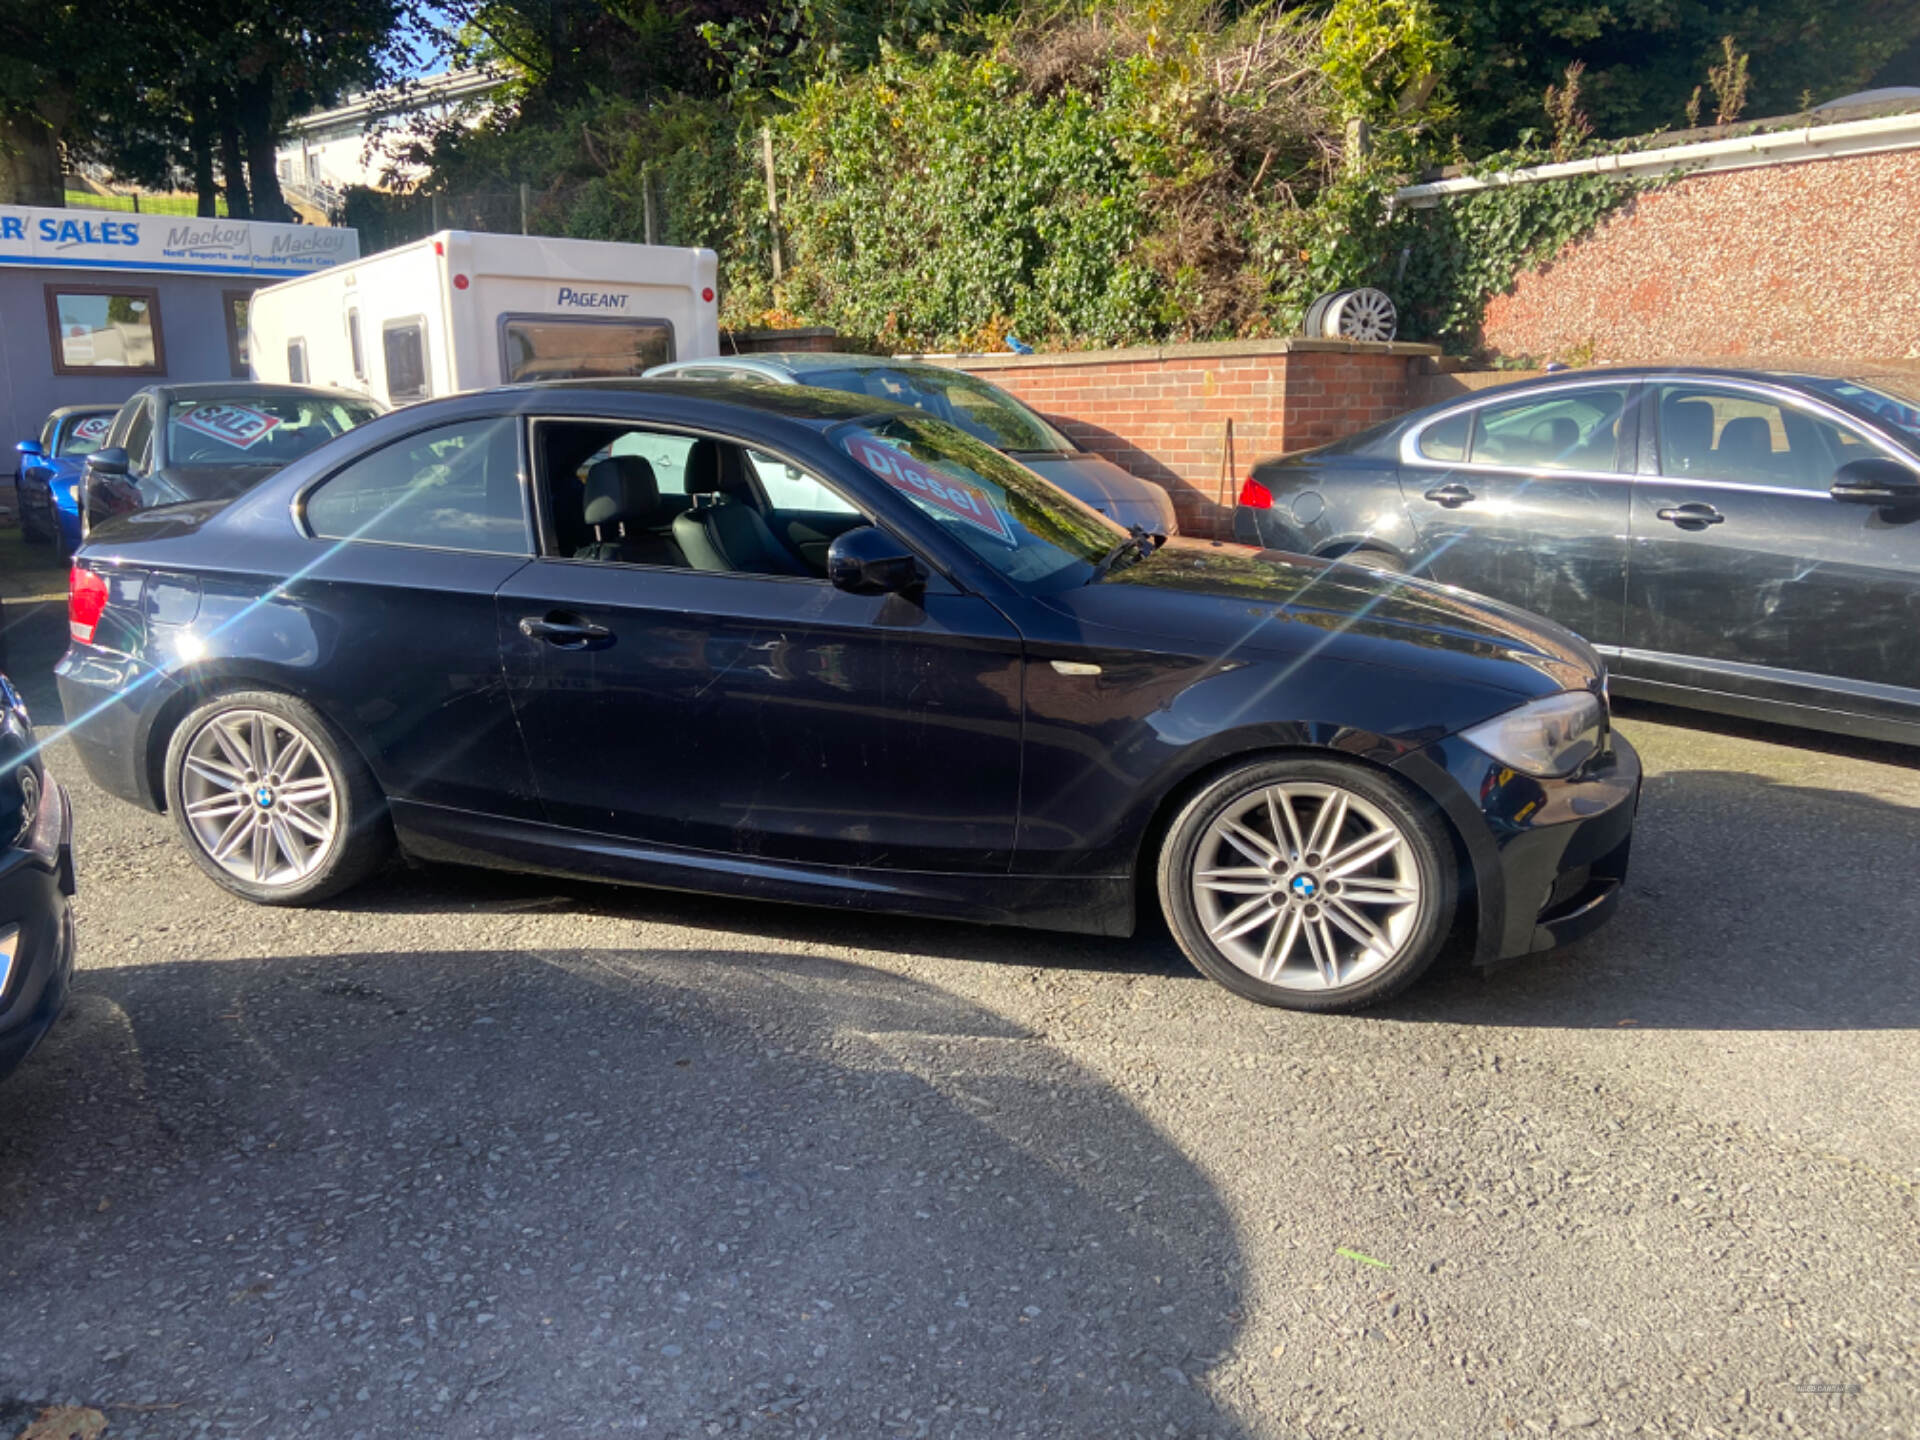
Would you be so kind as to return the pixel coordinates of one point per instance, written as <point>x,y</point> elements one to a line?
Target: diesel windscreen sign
<point>124,240</point>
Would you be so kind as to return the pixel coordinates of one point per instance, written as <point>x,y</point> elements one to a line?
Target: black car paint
<point>1793,606</point>
<point>782,739</point>
<point>36,886</point>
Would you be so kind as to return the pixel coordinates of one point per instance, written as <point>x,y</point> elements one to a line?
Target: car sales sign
<point>942,494</point>
<point>237,425</point>
<point>208,245</point>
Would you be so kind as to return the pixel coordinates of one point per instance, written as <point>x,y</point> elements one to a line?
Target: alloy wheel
<point>1306,885</point>
<point>258,799</point>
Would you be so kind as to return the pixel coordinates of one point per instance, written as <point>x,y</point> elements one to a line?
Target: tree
<point>1643,60</point>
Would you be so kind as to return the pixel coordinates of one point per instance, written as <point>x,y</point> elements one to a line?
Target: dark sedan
<point>36,886</point>
<point>1741,542</point>
<point>210,441</point>
<point>791,644</point>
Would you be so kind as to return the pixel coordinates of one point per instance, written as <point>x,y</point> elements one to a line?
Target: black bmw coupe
<point>798,645</point>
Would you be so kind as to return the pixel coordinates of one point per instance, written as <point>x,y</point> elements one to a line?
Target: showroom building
<point>96,303</point>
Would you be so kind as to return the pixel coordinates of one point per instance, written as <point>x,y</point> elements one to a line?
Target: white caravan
<point>463,310</point>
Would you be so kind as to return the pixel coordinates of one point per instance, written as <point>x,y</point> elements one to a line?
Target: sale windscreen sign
<point>240,426</point>
<point>93,429</point>
<point>937,492</point>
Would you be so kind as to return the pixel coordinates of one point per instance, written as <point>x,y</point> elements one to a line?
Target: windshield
<point>258,429</point>
<point>984,411</point>
<point>1902,415</point>
<point>85,434</point>
<point>1036,536</point>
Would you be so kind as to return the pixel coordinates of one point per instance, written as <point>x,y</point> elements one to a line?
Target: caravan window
<point>353,343</point>
<point>114,329</point>
<point>552,347</point>
<point>404,343</point>
<point>235,303</point>
<point>297,362</point>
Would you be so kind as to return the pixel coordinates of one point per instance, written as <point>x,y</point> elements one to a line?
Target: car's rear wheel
<point>271,801</point>
<point>1374,559</point>
<point>1308,883</point>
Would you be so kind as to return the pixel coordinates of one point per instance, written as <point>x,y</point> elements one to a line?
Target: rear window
<point>257,429</point>
<point>557,348</point>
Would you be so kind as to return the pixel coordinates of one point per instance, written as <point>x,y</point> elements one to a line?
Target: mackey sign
<point>122,240</point>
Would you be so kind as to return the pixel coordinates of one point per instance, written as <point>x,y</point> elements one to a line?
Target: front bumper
<point>36,890</point>
<point>1549,857</point>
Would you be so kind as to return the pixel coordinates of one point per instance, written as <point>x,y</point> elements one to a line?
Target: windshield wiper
<point>1139,544</point>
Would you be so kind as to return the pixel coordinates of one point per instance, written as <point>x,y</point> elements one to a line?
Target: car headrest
<point>703,468</point>
<point>1687,429</point>
<point>1746,437</point>
<point>621,488</point>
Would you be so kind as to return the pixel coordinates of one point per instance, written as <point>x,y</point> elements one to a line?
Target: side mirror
<point>1876,481</point>
<point>31,449</point>
<point>106,489</point>
<point>867,561</point>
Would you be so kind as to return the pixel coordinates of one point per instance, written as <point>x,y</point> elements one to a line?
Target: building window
<point>99,328</point>
<point>234,304</point>
<point>296,362</point>
<point>404,347</point>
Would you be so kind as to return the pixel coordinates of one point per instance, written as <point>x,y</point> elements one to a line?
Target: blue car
<point>47,481</point>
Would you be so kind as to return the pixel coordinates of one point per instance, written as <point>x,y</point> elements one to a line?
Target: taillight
<point>86,598</point>
<point>1256,496</point>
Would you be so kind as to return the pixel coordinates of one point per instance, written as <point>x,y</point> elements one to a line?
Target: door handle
<point>1451,495</point>
<point>1694,514</point>
<point>565,632</point>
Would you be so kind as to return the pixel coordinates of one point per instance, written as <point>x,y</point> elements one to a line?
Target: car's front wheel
<point>271,801</point>
<point>1308,883</point>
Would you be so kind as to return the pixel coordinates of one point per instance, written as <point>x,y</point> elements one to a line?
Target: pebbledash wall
<point>1817,257</point>
<point>1195,418</point>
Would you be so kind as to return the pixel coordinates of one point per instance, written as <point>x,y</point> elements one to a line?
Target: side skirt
<point>1097,905</point>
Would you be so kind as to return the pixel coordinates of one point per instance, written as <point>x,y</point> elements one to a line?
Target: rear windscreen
<point>554,348</point>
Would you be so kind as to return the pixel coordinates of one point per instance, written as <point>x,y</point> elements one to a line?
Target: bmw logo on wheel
<point>1304,887</point>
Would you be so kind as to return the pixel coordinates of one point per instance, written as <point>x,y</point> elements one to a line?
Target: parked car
<point>1741,542</point>
<point>47,476</point>
<point>785,644</point>
<point>210,441</point>
<point>984,411</point>
<point>36,888</point>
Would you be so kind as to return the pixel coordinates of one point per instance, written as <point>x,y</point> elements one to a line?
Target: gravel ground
<point>469,1155</point>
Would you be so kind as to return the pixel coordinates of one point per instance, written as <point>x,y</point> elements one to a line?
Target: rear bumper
<point>1549,857</point>
<point>1269,530</point>
<point>111,701</point>
<point>36,889</point>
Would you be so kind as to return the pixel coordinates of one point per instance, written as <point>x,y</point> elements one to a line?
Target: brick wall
<point>1163,413</point>
<point>1740,267</point>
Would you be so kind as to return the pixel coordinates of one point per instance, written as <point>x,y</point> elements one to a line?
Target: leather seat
<point>623,507</point>
<point>1686,436</point>
<point>725,530</point>
<point>1746,444</point>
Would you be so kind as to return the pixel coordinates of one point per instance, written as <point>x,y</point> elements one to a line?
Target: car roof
<point>61,412</point>
<point>806,403</point>
<point>795,364</point>
<point>242,389</point>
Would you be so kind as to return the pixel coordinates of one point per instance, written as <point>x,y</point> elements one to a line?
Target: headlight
<point>1551,736</point>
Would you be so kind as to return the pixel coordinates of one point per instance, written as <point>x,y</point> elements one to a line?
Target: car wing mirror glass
<point>867,561</point>
<point>1876,481</point>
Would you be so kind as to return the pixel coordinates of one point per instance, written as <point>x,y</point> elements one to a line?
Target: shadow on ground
<point>593,1193</point>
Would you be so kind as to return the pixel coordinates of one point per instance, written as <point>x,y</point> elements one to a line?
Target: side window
<point>404,346</point>
<point>353,344</point>
<point>666,454</point>
<point>455,487</point>
<point>139,442</point>
<point>789,489</point>
<point>1713,434</point>
<point>1446,439</point>
<point>297,362</point>
<point>1566,430</point>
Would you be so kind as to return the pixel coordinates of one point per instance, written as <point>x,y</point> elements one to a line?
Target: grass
<point>148,204</point>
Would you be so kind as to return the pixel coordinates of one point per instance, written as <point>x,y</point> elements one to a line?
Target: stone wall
<point>1742,267</point>
<point>1195,418</point>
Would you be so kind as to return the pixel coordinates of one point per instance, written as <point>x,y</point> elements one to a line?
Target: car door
<point>1746,575</point>
<point>1525,499</point>
<point>755,715</point>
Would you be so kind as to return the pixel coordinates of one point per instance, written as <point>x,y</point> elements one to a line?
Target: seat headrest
<point>1746,437</point>
<point>703,468</point>
<point>1687,429</point>
<point>621,488</point>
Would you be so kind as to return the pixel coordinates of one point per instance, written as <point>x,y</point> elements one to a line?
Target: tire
<point>1411,885</point>
<point>1373,559</point>
<point>322,825</point>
